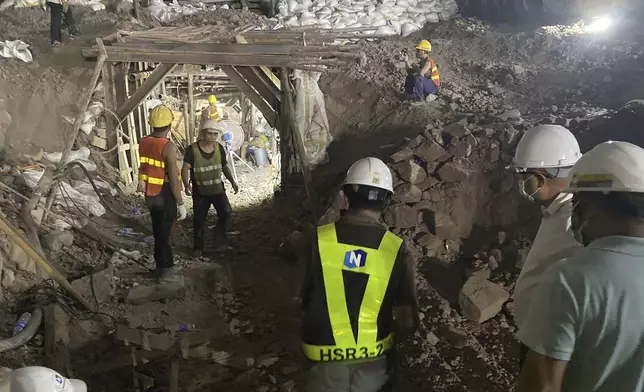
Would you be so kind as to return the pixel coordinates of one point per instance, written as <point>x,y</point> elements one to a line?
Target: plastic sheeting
<point>69,197</point>
<point>310,115</point>
<point>16,49</point>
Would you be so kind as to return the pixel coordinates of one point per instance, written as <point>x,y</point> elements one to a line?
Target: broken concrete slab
<point>426,183</point>
<point>429,242</point>
<point>401,155</point>
<point>410,171</point>
<point>443,226</point>
<point>415,142</point>
<point>155,292</point>
<point>480,299</point>
<point>57,240</point>
<point>100,285</point>
<point>463,149</point>
<point>453,172</point>
<point>8,277</point>
<point>401,216</point>
<point>407,193</point>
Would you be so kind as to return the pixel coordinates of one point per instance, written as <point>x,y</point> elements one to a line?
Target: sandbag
<point>16,49</point>
<point>386,30</point>
<point>409,28</point>
<point>310,114</point>
<point>432,18</point>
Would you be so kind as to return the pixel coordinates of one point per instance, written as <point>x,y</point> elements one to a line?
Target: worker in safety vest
<point>203,164</point>
<point>210,112</point>
<point>358,276</point>
<point>422,78</point>
<point>37,379</point>
<point>159,180</point>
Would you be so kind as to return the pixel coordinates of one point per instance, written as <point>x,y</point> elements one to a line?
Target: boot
<point>167,276</point>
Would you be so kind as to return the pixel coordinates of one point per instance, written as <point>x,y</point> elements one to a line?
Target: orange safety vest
<point>152,170</point>
<point>434,73</point>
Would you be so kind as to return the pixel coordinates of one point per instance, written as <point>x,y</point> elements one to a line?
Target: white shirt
<point>554,241</point>
<point>589,311</point>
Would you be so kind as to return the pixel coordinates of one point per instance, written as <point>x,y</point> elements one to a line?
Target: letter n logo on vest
<point>355,258</point>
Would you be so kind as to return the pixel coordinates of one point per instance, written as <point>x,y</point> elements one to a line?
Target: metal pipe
<point>139,76</point>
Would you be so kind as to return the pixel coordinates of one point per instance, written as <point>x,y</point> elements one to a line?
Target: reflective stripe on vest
<point>434,73</point>
<point>152,168</point>
<point>378,263</point>
<point>207,171</point>
<point>213,114</point>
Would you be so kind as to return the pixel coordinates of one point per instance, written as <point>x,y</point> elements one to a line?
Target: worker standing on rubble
<point>422,78</point>
<point>210,112</point>
<point>60,11</point>
<point>203,164</point>
<point>586,321</point>
<point>359,275</point>
<point>159,180</point>
<point>542,161</point>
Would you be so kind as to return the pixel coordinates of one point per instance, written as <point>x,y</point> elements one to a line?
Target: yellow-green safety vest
<point>208,171</point>
<point>378,263</point>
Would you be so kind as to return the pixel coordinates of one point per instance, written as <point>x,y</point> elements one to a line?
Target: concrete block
<point>402,155</point>
<point>430,151</point>
<point>22,261</point>
<point>407,193</point>
<point>411,172</point>
<point>480,299</point>
<point>156,292</point>
<point>401,216</point>
<point>103,282</point>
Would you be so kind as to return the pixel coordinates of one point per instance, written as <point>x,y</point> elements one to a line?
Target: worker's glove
<point>404,56</point>
<point>182,213</point>
<point>188,191</point>
<point>236,188</point>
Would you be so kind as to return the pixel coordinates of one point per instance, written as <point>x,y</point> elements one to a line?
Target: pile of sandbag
<point>166,13</point>
<point>391,17</point>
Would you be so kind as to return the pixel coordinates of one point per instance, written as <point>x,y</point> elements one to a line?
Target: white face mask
<point>528,196</point>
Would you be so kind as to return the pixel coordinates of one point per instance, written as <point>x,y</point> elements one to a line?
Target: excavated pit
<point>456,203</point>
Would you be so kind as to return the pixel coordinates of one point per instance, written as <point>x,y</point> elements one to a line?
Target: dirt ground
<point>248,294</point>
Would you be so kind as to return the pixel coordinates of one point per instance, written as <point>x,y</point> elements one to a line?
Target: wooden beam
<point>260,86</point>
<point>116,54</point>
<point>299,144</point>
<point>146,88</point>
<point>191,110</point>
<point>269,114</point>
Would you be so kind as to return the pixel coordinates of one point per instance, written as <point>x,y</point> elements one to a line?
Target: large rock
<point>429,242</point>
<point>430,151</point>
<point>156,292</point>
<point>401,216</point>
<point>57,240</point>
<point>456,130</point>
<point>101,285</point>
<point>463,149</point>
<point>402,155</point>
<point>443,226</point>
<point>411,172</point>
<point>407,193</point>
<point>480,299</point>
<point>453,172</point>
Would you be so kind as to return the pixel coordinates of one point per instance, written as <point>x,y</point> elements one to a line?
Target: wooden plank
<point>240,48</point>
<point>146,88</point>
<point>269,114</point>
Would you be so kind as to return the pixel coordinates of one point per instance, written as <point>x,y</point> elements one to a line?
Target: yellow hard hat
<point>424,45</point>
<point>161,116</point>
<point>212,99</point>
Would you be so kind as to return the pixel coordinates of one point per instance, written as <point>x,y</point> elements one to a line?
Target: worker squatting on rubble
<point>38,379</point>
<point>210,112</point>
<point>60,11</point>
<point>358,274</point>
<point>422,78</point>
<point>585,324</point>
<point>203,164</point>
<point>159,180</point>
<point>542,161</point>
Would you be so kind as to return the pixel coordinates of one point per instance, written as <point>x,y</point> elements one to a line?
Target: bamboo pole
<point>17,239</point>
<point>191,108</point>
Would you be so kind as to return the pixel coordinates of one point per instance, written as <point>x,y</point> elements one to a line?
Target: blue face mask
<point>528,196</point>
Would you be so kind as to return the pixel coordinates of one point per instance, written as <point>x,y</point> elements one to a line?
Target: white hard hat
<point>211,125</point>
<point>546,146</point>
<point>42,379</point>
<point>609,167</point>
<point>371,172</point>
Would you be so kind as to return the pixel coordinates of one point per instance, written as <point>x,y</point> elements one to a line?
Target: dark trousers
<point>163,212</point>
<point>201,205</point>
<point>419,86</point>
<point>57,16</point>
<point>523,353</point>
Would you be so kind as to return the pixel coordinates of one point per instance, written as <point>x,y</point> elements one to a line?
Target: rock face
<point>480,299</point>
